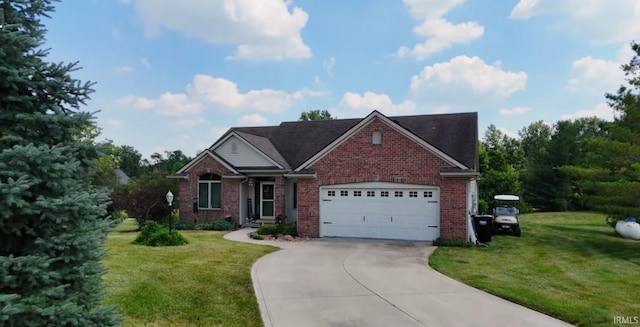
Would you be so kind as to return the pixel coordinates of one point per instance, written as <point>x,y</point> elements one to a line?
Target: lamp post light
<point>169,197</point>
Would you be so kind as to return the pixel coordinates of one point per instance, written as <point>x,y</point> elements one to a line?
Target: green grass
<point>204,283</point>
<point>569,265</point>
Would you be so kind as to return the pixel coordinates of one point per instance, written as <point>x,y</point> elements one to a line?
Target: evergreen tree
<point>53,222</point>
<point>611,180</point>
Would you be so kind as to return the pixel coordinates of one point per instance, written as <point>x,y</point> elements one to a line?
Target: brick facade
<point>189,191</point>
<point>397,159</point>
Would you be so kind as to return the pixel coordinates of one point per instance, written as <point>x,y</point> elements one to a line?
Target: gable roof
<point>293,143</point>
<point>206,153</point>
<point>394,124</point>
<point>264,145</point>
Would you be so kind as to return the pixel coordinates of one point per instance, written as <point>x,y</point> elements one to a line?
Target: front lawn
<point>568,265</point>
<point>204,283</point>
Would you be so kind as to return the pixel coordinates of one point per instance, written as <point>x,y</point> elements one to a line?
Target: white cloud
<point>145,62</point>
<point>114,123</point>
<point>598,21</point>
<point>224,94</point>
<point>328,64</point>
<point>355,105</point>
<point>252,120</point>
<point>123,69</point>
<point>208,92</point>
<point>189,122</point>
<point>595,75</point>
<point>136,102</point>
<point>261,30</point>
<point>440,34</point>
<point>216,132</point>
<point>465,81</point>
<point>602,111</point>
<point>507,132</point>
<point>305,92</point>
<point>177,104</point>
<point>514,111</point>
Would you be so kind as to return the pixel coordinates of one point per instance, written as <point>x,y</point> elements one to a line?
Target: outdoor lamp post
<point>170,200</point>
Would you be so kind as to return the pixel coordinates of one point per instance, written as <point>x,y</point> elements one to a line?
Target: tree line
<point>582,164</point>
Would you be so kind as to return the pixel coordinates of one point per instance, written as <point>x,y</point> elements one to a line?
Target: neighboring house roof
<point>291,144</point>
<point>122,176</point>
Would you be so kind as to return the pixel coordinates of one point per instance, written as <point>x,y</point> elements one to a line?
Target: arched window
<point>377,137</point>
<point>209,191</point>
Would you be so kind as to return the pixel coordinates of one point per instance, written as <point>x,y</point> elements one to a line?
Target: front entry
<point>267,200</point>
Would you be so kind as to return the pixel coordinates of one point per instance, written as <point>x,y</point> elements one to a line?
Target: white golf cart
<point>505,217</point>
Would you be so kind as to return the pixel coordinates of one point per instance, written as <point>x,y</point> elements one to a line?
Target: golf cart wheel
<point>517,231</point>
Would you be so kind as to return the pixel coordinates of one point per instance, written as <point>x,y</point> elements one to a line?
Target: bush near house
<point>213,225</point>
<point>154,234</point>
<point>284,229</point>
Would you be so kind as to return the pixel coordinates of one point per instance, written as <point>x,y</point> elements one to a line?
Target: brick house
<point>406,177</point>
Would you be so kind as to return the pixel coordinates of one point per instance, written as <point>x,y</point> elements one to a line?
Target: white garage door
<point>380,210</point>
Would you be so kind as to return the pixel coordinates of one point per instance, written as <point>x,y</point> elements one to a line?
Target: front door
<point>267,200</point>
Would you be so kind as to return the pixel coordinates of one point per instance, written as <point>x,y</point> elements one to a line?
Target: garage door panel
<point>389,213</point>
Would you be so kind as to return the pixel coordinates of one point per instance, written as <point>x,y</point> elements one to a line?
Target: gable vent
<point>234,147</point>
<point>377,137</point>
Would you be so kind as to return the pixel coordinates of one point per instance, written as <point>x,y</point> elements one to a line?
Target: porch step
<point>258,222</point>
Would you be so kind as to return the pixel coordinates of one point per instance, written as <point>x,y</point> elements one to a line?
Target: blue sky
<point>177,74</point>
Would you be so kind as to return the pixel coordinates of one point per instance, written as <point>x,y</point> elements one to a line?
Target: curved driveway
<point>346,282</point>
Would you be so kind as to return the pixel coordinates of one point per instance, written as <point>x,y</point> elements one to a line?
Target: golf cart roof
<point>507,197</point>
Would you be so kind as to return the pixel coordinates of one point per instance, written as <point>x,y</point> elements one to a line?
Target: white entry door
<point>267,200</point>
<point>380,210</point>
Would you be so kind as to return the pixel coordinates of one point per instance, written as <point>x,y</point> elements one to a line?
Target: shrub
<point>119,216</point>
<point>154,234</point>
<point>257,236</point>
<point>284,229</point>
<point>290,229</point>
<point>179,225</point>
<point>440,241</point>
<point>267,229</point>
<point>216,225</point>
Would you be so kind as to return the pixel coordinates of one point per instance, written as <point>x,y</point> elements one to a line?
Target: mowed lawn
<point>569,265</point>
<point>204,283</point>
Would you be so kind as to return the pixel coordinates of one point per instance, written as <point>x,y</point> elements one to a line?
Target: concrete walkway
<point>347,282</point>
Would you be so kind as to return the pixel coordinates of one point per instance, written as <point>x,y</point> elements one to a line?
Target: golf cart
<point>505,217</point>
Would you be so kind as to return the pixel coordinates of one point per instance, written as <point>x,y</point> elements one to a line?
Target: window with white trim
<point>413,194</point>
<point>398,194</point>
<point>384,194</point>
<point>209,191</point>
<point>371,193</point>
<point>331,193</point>
<point>428,194</point>
<point>357,193</point>
<point>344,193</point>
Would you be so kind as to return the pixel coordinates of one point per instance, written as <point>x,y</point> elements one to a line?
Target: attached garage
<point>380,210</point>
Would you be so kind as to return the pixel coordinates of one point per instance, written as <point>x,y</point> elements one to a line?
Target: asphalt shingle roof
<point>293,143</point>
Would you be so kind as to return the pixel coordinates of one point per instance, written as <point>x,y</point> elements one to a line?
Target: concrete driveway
<point>345,282</point>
